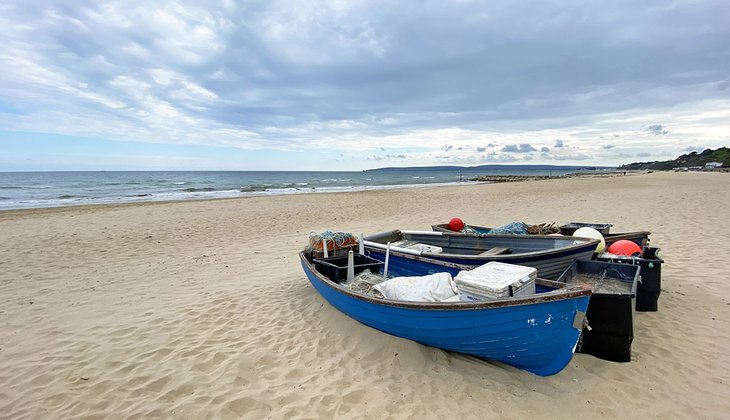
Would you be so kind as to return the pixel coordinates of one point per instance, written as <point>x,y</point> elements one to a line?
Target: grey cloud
<point>545,149</point>
<point>521,148</point>
<point>386,65</point>
<point>643,154</point>
<point>608,146</point>
<point>657,129</point>
<point>446,147</point>
<point>559,144</point>
<point>484,148</point>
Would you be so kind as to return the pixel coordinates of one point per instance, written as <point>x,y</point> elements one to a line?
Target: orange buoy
<point>624,247</point>
<point>456,224</point>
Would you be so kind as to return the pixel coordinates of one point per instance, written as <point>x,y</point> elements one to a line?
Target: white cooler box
<point>495,280</point>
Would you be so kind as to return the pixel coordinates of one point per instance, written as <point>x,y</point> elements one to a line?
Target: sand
<point>201,310</point>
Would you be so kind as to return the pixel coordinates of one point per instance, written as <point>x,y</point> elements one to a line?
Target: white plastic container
<point>495,280</point>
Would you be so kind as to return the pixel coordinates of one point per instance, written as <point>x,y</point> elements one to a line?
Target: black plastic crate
<point>650,285</point>
<point>610,313</point>
<point>335,268</point>
<point>570,228</point>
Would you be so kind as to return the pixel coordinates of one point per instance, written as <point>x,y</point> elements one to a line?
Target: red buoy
<point>624,247</point>
<point>456,224</point>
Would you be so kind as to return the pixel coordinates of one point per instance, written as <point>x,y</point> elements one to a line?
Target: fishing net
<point>543,229</point>
<point>521,228</point>
<point>338,243</point>
<point>471,230</point>
<point>514,228</point>
<point>364,283</point>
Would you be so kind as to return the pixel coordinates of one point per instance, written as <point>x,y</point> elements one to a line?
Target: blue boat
<point>537,333</point>
<point>550,255</point>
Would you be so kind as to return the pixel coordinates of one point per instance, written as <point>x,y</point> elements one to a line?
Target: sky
<point>351,85</point>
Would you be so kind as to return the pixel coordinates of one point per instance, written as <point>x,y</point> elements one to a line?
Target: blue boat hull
<point>535,334</point>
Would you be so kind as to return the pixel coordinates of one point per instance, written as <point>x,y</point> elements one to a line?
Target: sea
<point>23,190</point>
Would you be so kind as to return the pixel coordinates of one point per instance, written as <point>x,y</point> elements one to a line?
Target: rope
<point>543,229</point>
<point>335,240</point>
<point>364,283</point>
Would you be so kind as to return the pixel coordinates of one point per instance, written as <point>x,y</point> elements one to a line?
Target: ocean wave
<point>252,188</point>
<point>204,189</point>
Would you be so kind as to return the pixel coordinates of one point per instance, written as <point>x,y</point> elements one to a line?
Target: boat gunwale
<point>609,237</point>
<point>563,293</point>
<point>582,243</point>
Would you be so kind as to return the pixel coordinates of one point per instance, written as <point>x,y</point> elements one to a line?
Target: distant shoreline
<point>522,178</point>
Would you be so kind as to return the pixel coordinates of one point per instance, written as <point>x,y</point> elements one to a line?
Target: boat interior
<point>463,244</point>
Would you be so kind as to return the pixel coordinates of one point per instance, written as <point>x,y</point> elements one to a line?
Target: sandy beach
<point>200,309</point>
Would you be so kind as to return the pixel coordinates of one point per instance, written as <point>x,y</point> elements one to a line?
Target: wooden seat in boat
<point>497,250</point>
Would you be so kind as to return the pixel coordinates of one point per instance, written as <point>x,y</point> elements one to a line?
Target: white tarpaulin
<point>432,288</point>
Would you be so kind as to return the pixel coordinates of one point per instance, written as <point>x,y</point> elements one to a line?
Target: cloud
<point>446,147</point>
<point>521,148</point>
<point>360,76</point>
<point>643,154</point>
<point>482,149</point>
<point>389,156</point>
<point>545,149</point>
<point>608,146</point>
<point>657,129</point>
